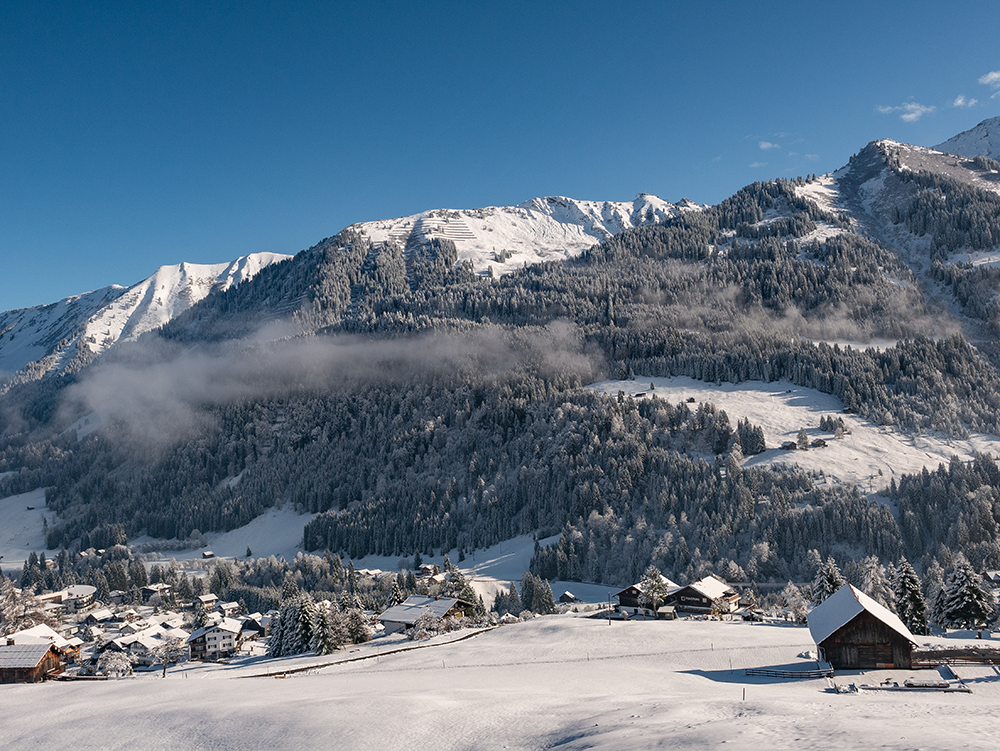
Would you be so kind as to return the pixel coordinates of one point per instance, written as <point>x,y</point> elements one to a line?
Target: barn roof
<point>712,588</point>
<point>672,586</point>
<point>843,605</point>
<point>22,655</point>
<point>415,606</point>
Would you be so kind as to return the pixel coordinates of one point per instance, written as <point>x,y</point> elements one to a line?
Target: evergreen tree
<point>909,600</point>
<point>545,603</point>
<point>967,603</point>
<point>357,629</point>
<point>328,632</point>
<point>528,591</point>
<point>828,580</point>
<point>304,621</point>
<point>874,582</point>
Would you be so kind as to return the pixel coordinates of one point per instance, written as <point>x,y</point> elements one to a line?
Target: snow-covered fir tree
<point>654,588</point>
<point>967,602</point>
<point>874,582</point>
<point>828,580</point>
<point>909,599</point>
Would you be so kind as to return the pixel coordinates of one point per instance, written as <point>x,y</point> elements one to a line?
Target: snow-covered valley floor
<point>553,682</point>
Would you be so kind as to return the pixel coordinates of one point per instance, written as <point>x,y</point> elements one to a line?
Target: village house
<point>74,599</point>
<point>854,632</point>
<point>206,601</point>
<point>630,599</point>
<point>99,617</point>
<point>708,595</point>
<point>28,663</point>
<point>160,588</point>
<point>215,641</point>
<point>228,609</point>
<point>403,616</point>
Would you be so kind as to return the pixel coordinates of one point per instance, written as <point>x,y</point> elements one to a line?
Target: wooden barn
<point>853,632</point>
<point>27,663</point>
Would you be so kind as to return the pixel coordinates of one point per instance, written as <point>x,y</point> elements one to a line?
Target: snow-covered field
<point>870,456</point>
<point>21,528</point>
<point>552,682</point>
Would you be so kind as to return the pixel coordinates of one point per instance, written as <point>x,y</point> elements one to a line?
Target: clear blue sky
<point>138,134</point>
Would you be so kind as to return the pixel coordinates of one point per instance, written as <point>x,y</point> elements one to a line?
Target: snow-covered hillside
<point>983,140</point>
<point>543,229</point>
<point>47,337</point>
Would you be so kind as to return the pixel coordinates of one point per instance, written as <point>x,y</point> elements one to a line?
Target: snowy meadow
<point>562,681</point>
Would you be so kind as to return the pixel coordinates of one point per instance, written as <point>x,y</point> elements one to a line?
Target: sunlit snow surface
<point>870,456</point>
<point>552,682</point>
<point>504,238</point>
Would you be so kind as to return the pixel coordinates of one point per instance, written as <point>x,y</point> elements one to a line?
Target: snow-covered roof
<point>712,588</point>
<point>40,634</point>
<point>22,655</point>
<point>415,606</point>
<point>842,606</point>
<point>671,585</point>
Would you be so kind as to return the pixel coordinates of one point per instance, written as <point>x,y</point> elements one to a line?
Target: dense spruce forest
<point>417,407</point>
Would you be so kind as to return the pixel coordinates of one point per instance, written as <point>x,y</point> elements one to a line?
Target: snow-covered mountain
<point>543,229</point>
<point>983,140</point>
<point>47,338</point>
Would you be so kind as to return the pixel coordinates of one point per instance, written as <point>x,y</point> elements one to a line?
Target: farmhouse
<point>630,599</point>
<point>215,641</point>
<point>853,632</point>
<point>27,663</point>
<point>705,596</point>
<point>403,616</point>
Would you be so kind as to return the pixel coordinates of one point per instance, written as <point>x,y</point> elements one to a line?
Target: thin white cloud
<point>991,79</point>
<point>758,164</point>
<point>765,145</point>
<point>961,101</point>
<point>912,111</point>
<point>812,156</point>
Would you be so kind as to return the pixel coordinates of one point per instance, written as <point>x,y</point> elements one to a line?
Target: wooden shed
<point>27,663</point>
<point>854,632</point>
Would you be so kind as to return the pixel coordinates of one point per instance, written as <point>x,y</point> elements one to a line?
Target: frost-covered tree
<point>828,580</point>
<point>113,662</point>
<point>874,582</point>
<point>170,652</point>
<point>654,588</point>
<point>357,627</point>
<point>967,603</point>
<point>908,598</point>
<point>328,632</point>
<point>794,601</point>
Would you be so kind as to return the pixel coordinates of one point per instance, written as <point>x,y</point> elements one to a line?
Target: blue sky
<point>134,135</point>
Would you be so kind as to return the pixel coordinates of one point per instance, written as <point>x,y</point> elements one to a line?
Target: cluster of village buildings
<point>851,630</point>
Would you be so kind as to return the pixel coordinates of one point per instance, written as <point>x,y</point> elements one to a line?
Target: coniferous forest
<point>416,406</point>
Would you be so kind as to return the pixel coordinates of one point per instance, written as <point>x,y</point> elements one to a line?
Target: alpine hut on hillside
<point>853,632</point>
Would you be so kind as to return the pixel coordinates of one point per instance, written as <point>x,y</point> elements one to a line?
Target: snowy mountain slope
<point>47,338</point>
<point>505,238</point>
<point>983,140</point>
